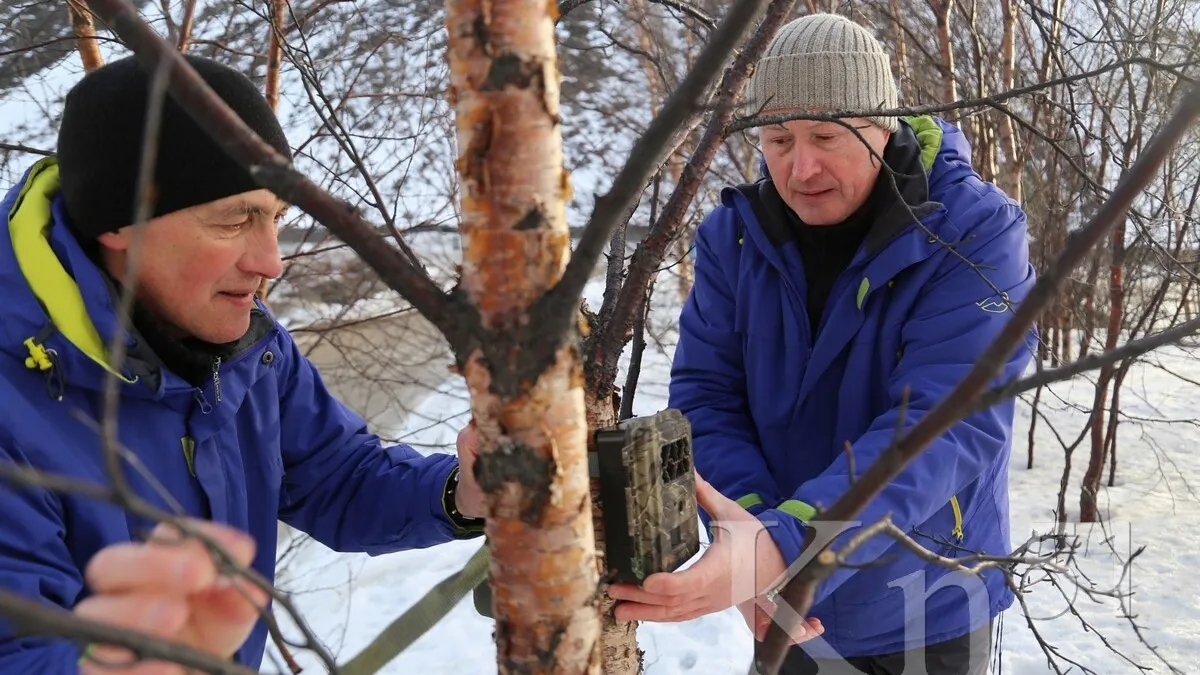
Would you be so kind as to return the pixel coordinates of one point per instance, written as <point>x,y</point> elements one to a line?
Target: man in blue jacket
<point>224,418</point>
<point>834,303</point>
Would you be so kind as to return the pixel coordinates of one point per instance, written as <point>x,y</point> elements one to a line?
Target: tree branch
<point>690,10</point>
<point>650,253</point>
<point>565,7</point>
<point>31,616</point>
<point>455,318</point>
<point>1129,350</point>
<point>17,147</point>
<point>800,590</point>
<point>557,307</point>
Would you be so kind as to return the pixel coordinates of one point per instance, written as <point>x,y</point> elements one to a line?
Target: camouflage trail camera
<point>648,493</point>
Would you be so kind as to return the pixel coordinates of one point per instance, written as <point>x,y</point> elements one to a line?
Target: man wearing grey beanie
<point>835,303</point>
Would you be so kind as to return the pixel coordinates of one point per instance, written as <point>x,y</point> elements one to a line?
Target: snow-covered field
<point>348,599</point>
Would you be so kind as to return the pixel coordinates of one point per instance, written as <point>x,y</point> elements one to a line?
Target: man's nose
<point>804,165</point>
<point>262,255</point>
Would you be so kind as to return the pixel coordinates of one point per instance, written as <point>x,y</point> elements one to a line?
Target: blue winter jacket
<point>772,410</point>
<point>263,441</point>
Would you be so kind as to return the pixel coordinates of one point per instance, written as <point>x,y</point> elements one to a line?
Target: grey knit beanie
<point>824,62</point>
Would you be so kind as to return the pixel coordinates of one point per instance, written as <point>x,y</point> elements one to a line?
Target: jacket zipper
<point>216,373</point>
<point>205,406</point>
<point>958,518</point>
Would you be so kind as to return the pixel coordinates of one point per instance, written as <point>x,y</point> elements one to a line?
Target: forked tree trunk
<point>532,434</point>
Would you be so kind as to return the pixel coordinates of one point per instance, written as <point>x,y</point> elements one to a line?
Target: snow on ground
<point>347,599</point>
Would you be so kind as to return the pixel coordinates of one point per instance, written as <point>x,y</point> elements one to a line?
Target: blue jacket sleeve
<point>944,336</point>
<point>34,564</point>
<point>708,383</point>
<point>343,486</point>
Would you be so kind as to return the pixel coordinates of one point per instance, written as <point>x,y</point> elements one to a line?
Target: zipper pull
<point>205,406</point>
<point>216,371</point>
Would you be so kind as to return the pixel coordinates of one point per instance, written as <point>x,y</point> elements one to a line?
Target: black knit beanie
<point>100,145</point>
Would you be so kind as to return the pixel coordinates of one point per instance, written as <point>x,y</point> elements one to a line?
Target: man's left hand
<point>740,564</point>
<point>468,498</point>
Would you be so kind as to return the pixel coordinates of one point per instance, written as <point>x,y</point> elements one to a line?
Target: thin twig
<point>1129,350</point>
<point>651,251</point>
<point>984,101</point>
<point>557,307</point>
<point>27,477</point>
<point>142,211</point>
<point>32,616</point>
<point>17,147</point>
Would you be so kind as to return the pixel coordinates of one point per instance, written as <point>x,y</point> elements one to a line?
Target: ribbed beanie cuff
<point>100,146</point>
<point>824,62</point>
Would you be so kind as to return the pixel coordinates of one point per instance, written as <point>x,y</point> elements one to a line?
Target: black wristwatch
<point>467,526</point>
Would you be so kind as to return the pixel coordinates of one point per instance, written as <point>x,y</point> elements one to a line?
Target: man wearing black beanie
<point>228,421</point>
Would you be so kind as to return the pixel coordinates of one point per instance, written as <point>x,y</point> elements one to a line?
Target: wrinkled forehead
<point>844,124</point>
<point>251,203</point>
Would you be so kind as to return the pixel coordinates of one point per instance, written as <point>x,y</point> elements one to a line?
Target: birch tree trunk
<point>620,653</point>
<point>532,434</point>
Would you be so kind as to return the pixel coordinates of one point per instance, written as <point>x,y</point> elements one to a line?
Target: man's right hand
<point>169,587</point>
<point>759,621</point>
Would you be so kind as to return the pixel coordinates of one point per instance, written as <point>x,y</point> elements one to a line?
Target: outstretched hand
<point>740,565</point>
<point>170,587</point>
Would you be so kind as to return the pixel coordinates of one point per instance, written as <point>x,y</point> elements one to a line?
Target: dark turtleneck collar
<point>827,250</point>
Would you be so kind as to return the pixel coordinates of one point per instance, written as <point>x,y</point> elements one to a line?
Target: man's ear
<point>887,136</point>
<point>116,241</point>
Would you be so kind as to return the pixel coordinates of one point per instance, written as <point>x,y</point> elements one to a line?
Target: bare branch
<point>557,306</point>
<point>85,31</point>
<point>24,477</point>
<point>185,27</point>
<point>1130,350</point>
<point>651,251</point>
<point>17,147</point>
<point>36,617</point>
